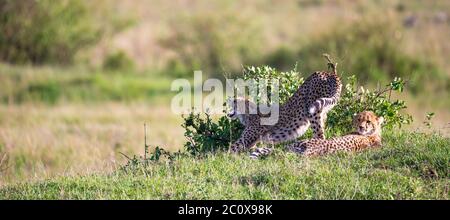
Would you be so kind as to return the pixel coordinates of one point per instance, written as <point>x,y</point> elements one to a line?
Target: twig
<point>145,141</point>
<point>231,134</point>
<point>388,89</point>
<point>381,92</point>
<point>191,141</point>
<point>125,155</point>
<point>4,158</point>
<point>216,138</point>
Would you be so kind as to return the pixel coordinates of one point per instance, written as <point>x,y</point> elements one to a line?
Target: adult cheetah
<point>307,107</point>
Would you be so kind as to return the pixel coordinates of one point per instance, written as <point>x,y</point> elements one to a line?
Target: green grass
<point>409,166</point>
<point>51,85</point>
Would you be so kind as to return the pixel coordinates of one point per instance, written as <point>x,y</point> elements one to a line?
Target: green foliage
<point>118,61</point>
<point>288,82</point>
<point>354,100</point>
<point>428,118</point>
<point>149,158</point>
<point>45,31</point>
<point>48,92</point>
<point>206,135</point>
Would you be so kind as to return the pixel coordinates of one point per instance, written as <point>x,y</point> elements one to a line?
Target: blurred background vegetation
<point>73,73</point>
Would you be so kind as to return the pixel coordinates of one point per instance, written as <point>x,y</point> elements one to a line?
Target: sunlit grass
<point>409,166</point>
<point>41,141</point>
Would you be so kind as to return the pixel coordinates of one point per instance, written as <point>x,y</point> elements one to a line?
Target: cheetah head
<point>367,123</point>
<point>239,108</point>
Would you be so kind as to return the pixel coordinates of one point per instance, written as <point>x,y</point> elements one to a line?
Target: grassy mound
<point>408,166</point>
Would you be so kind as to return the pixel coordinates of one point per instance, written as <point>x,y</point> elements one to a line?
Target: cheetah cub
<point>367,135</point>
<point>307,107</point>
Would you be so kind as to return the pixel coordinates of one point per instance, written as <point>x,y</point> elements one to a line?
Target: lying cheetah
<point>308,106</point>
<point>367,135</point>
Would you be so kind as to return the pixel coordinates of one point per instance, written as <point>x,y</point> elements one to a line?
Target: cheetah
<point>367,135</point>
<point>307,107</point>
<point>250,117</point>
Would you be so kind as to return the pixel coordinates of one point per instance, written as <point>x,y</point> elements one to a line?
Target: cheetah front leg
<point>318,125</point>
<point>247,140</point>
<point>318,121</point>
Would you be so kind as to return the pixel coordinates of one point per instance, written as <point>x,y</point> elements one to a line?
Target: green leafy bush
<point>45,31</point>
<point>288,81</point>
<point>354,100</point>
<point>206,135</point>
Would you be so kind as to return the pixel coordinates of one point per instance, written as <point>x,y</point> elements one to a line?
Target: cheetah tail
<point>298,147</point>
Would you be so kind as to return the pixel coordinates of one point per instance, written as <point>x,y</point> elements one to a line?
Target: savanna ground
<point>409,166</point>
<point>65,120</point>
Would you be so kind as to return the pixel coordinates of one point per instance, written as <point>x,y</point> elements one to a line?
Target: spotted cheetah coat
<point>307,107</point>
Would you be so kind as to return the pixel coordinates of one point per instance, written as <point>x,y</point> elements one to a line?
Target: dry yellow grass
<point>41,141</point>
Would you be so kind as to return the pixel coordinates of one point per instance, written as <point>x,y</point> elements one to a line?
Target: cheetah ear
<point>229,102</point>
<point>252,107</point>
<point>354,118</point>
<point>380,120</point>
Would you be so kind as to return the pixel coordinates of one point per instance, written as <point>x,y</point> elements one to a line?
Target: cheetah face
<point>367,123</point>
<point>232,109</point>
<point>239,108</point>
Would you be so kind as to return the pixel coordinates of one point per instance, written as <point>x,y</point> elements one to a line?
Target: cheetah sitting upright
<point>308,106</point>
<point>367,135</point>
